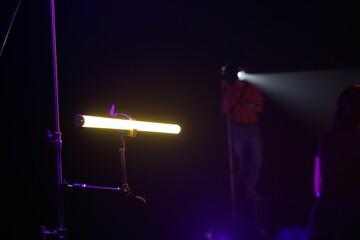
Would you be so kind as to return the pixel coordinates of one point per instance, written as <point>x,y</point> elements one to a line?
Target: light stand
<point>56,140</point>
<point>125,189</point>
<point>225,103</point>
<point>125,185</point>
<point>231,167</point>
<point>241,75</point>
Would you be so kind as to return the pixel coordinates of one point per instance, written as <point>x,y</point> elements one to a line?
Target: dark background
<point>158,61</point>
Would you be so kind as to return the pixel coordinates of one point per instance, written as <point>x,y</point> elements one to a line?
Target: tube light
<point>122,124</point>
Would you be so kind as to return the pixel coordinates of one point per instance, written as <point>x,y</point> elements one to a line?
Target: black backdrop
<point>158,61</point>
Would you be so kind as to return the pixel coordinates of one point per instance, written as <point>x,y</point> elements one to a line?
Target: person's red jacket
<point>245,102</point>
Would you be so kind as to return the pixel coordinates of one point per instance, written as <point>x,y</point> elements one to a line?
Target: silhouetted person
<point>336,213</point>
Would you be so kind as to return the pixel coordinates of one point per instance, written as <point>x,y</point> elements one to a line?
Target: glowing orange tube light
<point>122,124</point>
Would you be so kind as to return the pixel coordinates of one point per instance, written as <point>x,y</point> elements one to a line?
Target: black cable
<point>9,28</point>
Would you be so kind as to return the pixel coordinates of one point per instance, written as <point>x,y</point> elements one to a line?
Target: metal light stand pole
<point>231,165</point>
<point>123,133</point>
<point>55,138</point>
<point>125,185</point>
<point>226,109</point>
<point>125,189</point>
